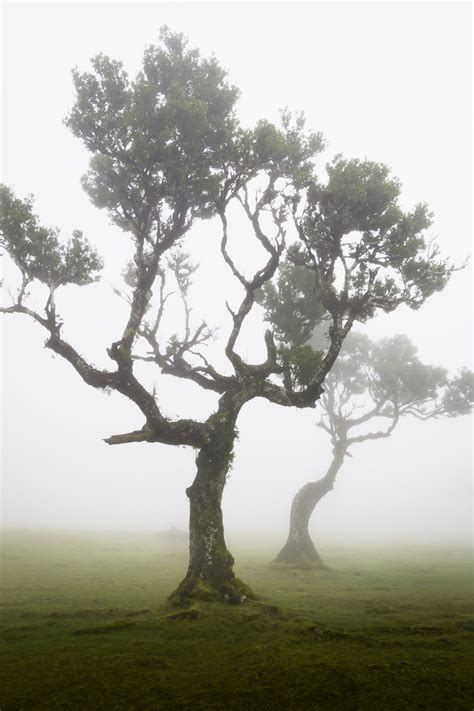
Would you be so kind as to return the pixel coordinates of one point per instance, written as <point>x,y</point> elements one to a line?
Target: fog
<point>387,82</point>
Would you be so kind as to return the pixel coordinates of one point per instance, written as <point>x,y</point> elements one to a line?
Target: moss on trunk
<point>210,574</point>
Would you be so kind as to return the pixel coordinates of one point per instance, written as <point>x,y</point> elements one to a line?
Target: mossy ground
<point>86,626</point>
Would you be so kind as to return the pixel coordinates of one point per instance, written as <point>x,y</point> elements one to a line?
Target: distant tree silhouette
<point>371,382</point>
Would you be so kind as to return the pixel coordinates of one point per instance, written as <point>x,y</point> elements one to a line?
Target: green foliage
<point>458,398</point>
<point>159,142</point>
<point>291,305</point>
<point>130,274</point>
<point>357,252</point>
<point>287,151</point>
<point>390,374</point>
<point>350,371</point>
<point>399,376</point>
<point>353,222</point>
<point>302,363</point>
<point>358,196</point>
<point>37,251</point>
<point>182,268</point>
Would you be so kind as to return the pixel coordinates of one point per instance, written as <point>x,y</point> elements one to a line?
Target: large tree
<point>167,151</point>
<point>371,387</point>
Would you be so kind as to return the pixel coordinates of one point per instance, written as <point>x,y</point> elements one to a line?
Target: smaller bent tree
<point>380,382</point>
<point>168,151</point>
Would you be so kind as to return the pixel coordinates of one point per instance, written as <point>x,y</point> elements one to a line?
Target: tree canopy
<point>357,252</point>
<point>386,379</point>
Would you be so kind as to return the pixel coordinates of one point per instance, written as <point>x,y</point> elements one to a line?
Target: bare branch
<point>374,435</point>
<point>225,253</point>
<point>162,301</point>
<point>259,278</point>
<point>137,436</point>
<point>20,309</point>
<point>374,412</point>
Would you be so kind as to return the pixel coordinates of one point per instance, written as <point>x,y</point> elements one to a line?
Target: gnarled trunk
<point>210,574</point>
<point>299,549</point>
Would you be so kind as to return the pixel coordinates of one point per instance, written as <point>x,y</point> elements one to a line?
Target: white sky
<point>387,81</point>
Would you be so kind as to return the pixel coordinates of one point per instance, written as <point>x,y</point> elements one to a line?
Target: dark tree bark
<point>210,572</point>
<point>299,549</point>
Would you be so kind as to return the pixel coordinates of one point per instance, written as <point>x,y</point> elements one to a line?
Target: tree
<point>167,150</point>
<point>371,382</point>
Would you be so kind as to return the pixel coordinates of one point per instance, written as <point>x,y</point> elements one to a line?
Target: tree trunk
<point>210,574</point>
<point>299,549</point>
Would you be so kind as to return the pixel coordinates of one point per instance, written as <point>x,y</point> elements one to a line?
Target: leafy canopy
<point>356,252</point>
<point>367,252</point>
<point>386,378</point>
<point>37,250</point>
<point>291,305</point>
<point>159,141</point>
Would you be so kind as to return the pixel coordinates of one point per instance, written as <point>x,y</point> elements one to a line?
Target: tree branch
<point>374,435</point>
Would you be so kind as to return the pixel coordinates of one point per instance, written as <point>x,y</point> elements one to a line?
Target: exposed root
<point>193,589</point>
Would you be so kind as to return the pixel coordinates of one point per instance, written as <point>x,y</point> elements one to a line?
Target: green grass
<point>86,626</point>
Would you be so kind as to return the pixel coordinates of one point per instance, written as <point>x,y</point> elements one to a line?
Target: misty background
<point>388,82</point>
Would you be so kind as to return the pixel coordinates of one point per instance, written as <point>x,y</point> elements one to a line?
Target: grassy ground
<point>86,626</point>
